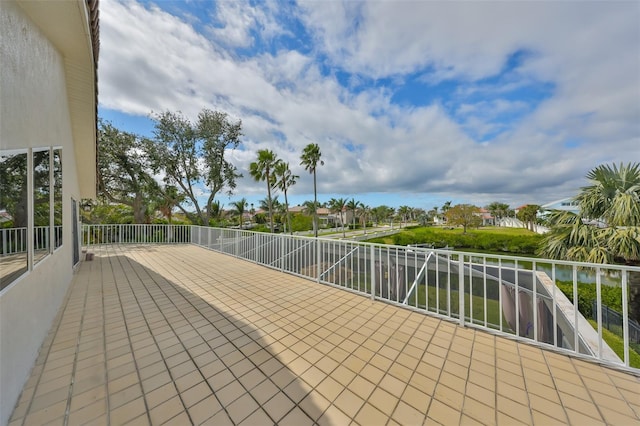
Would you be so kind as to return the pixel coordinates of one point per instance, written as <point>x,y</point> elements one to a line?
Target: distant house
<point>48,128</point>
<point>486,217</point>
<point>565,204</point>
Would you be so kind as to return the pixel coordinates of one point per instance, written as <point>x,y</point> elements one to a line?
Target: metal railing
<point>612,320</point>
<point>15,240</point>
<point>135,234</point>
<point>511,296</point>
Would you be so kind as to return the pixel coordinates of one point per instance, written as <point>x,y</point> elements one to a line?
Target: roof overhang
<point>72,27</point>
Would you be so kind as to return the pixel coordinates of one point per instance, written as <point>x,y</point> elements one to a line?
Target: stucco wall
<point>33,113</point>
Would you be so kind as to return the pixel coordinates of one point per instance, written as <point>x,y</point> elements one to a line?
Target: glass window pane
<point>57,197</point>
<point>13,217</point>
<point>41,205</point>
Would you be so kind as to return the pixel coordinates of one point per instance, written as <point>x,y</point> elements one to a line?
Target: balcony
<point>233,327</point>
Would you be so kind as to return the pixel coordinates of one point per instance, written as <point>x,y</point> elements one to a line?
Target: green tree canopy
<point>498,210</point>
<point>310,159</point>
<point>285,179</point>
<point>338,205</point>
<point>607,228</point>
<point>464,215</point>
<point>263,170</point>
<point>124,171</point>
<point>189,153</point>
<point>529,214</point>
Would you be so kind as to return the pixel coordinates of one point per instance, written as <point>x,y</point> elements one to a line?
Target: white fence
<point>512,296</point>
<point>14,240</point>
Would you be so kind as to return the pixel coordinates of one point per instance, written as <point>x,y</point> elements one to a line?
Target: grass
<point>493,306</point>
<point>616,343</point>
<point>494,240</point>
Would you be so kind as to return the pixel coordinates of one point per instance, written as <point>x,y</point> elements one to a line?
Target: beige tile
<point>407,415</point>
<point>383,401</point>
<point>127,412</point>
<point>278,406</point>
<point>204,409</point>
<point>442,413</point>
<point>349,403</point>
<point>314,405</point>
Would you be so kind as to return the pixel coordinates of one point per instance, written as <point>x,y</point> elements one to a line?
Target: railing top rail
<point>424,250</point>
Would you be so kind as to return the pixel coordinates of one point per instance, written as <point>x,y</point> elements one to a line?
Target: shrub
<point>611,296</point>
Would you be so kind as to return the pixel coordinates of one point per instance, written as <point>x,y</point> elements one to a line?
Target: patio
<point>178,334</point>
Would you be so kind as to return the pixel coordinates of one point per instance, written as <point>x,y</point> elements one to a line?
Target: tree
<point>189,154</point>
<point>382,213</point>
<point>263,170</point>
<point>529,214</point>
<point>464,215</point>
<point>607,228</point>
<point>239,207</point>
<point>311,157</point>
<point>353,205</point>
<point>445,207</point>
<point>285,179</point>
<point>337,205</point>
<point>498,210</point>
<point>364,212</point>
<point>169,199</point>
<point>14,189</point>
<point>124,171</point>
<point>404,212</point>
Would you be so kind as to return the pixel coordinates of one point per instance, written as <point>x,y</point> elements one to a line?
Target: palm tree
<point>284,180</point>
<point>498,210</point>
<point>168,200</point>
<point>309,208</point>
<point>528,214</point>
<point>337,205</point>
<point>364,213</point>
<point>239,207</point>
<point>353,205</point>
<point>607,229</point>
<point>404,212</point>
<point>310,160</point>
<point>262,169</point>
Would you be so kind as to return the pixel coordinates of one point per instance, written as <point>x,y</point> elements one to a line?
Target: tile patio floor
<point>181,335</point>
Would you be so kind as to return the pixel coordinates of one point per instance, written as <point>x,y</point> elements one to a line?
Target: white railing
<point>135,234</point>
<point>512,296</point>
<point>14,240</point>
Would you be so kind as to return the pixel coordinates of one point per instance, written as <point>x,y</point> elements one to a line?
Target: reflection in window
<point>41,205</point>
<point>13,217</point>
<point>57,197</point>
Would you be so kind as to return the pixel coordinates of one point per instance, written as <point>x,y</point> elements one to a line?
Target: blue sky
<point>412,103</point>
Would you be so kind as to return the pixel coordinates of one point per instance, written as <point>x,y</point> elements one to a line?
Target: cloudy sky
<point>411,102</point>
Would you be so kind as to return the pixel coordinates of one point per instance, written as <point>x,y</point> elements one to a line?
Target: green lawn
<point>616,343</point>
<point>495,240</point>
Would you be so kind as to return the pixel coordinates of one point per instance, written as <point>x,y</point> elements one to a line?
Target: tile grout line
<point>61,314</point>
<point>104,342</point>
<point>171,375</point>
<point>75,357</point>
<point>126,325</point>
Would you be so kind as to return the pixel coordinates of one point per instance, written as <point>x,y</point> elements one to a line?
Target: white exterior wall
<point>34,112</point>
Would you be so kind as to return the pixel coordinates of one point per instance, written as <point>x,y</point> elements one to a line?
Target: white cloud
<point>153,61</point>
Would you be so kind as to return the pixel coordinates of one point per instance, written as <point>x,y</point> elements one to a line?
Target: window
<point>41,205</point>
<point>14,216</point>
<point>57,197</point>
<point>30,184</point>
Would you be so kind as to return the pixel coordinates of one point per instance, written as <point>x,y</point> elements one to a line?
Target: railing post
<point>318,259</point>
<point>282,243</point>
<point>461,308</point>
<point>625,317</point>
<point>373,273</point>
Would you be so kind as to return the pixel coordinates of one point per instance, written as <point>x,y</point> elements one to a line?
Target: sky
<point>411,102</point>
